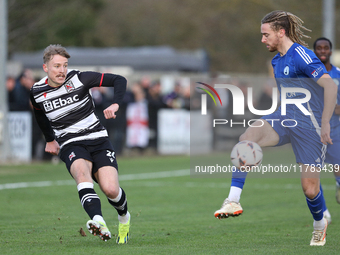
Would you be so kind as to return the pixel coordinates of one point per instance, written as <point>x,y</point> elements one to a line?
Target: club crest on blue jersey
<point>286,70</point>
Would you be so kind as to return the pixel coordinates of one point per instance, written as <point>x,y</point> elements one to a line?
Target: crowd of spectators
<point>135,128</point>
<point>136,125</point>
<point>18,96</point>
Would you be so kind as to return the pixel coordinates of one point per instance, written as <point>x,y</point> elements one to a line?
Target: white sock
<point>235,194</point>
<point>319,224</point>
<point>116,199</point>
<point>84,185</point>
<point>124,218</point>
<point>326,213</point>
<point>99,218</point>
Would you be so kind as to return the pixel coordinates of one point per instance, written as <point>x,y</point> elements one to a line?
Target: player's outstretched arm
<point>52,147</point>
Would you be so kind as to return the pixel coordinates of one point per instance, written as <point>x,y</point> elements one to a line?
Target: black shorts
<point>99,151</point>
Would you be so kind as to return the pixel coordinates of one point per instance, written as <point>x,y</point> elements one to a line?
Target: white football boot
<point>229,208</point>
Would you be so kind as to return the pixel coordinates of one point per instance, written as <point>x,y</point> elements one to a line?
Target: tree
<point>33,24</point>
<point>229,30</point>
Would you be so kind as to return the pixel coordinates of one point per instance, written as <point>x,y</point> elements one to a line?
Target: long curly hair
<point>291,23</point>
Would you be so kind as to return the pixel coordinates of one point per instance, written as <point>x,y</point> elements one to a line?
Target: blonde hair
<point>290,23</point>
<point>54,49</point>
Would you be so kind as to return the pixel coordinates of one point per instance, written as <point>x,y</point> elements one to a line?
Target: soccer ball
<point>246,154</point>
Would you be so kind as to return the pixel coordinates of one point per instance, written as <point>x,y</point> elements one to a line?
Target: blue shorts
<point>306,143</point>
<point>333,151</point>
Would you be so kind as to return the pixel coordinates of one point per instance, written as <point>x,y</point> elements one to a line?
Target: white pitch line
<point>157,175</point>
<point>225,185</point>
<point>124,177</point>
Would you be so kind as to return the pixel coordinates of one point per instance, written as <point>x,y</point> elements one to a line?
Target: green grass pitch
<point>170,214</point>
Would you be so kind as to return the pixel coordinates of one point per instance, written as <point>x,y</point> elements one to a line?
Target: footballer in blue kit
<point>300,68</point>
<point>311,96</point>
<point>323,50</point>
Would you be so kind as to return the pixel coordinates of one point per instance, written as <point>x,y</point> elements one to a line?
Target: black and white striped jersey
<point>66,113</point>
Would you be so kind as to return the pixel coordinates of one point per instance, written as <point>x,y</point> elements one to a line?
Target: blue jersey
<point>301,68</point>
<point>335,74</point>
<point>332,155</point>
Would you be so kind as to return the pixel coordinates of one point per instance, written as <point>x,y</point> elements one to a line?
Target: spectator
<point>18,100</point>
<point>10,85</point>
<point>186,97</point>
<point>137,133</point>
<point>100,97</point>
<point>119,124</point>
<point>145,83</point>
<point>174,99</point>
<point>155,103</point>
<point>21,92</point>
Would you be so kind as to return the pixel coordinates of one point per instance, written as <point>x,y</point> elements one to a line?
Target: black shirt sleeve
<point>119,85</point>
<point>94,79</point>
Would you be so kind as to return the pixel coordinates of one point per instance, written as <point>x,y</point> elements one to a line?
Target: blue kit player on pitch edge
<point>295,67</point>
<point>323,50</point>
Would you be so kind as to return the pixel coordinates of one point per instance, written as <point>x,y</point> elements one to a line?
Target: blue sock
<point>315,206</point>
<point>238,179</point>
<point>337,178</point>
<point>324,207</point>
